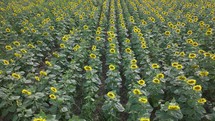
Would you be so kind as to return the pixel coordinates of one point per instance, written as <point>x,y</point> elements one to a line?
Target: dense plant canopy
<point>107,60</point>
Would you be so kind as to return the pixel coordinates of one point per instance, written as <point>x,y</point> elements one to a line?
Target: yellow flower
<point>31,46</point>
<point>173,107</point>
<point>133,61</point>
<point>16,76</point>
<point>191,81</point>
<point>143,46</point>
<point>7,30</point>
<point>201,51</point>
<point>179,67</point>
<point>37,78</point>
<point>93,48</point>
<point>92,56</point>
<point>56,54</point>
<point>16,43</point>
<point>156,81</point>
<point>33,30</point>
<point>39,119</point>
<point>202,100</point>
<point>52,96</point>
<point>85,27</point>
<point>43,73</point>
<point>98,38</point>
<point>128,50</point>
<point>143,100</point>
<point>206,54</point>
<point>141,82</point>
<point>17,55</point>
<point>110,39</point>
<point>174,64</point>
<point>112,50</point>
<point>6,62</point>
<point>112,45</point>
<point>51,28</point>
<point>127,40</point>
<point>197,88</point>
<point>8,47</point>
<point>111,95</point>
<point>23,50</point>
<point>208,32</point>
<point>203,73</point>
<point>48,63</point>
<point>190,41</point>
<point>160,76</point>
<point>53,89</point>
<point>111,67</point>
<point>87,68</point>
<point>182,54</point>
<point>144,119</point>
<point>137,92</point>
<point>168,46</point>
<point>62,45</point>
<point>155,66</point>
<point>192,55</point>
<point>195,44</point>
<point>190,32</point>
<point>98,32</point>
<point>133,66</point>
<point>1,72</point>
<point>181,78</point>
<point>178,30</point>
<point>65,38</point>
<point>24,91</point>
<point>167,33</point>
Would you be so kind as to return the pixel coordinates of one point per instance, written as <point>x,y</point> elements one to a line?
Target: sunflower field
<point>107,60</point>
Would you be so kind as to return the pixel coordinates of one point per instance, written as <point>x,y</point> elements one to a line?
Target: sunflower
<point>133,66</point>
<point>143,100</point>
<point>197,88</point>
<point>182,77</point>
<point>16,43</point>
<point>93,56</point>
<point>62,45</point>
<point>141,82</point>
<point>144,119</point>
<point>87,68</point>
<point>156,81</point>
<point>6,62</point>
<point>192,55</point>
<point>128,50</point>
<point>53,89</point>
<point>16,76</point>
<point>167,33</point>
<point>8,47</point>
<point>173,107</point>
<point>48,63</point>
<point>24,91</point>
<point>155,66</point>
<point>43,73</point>
<point>191,81</point>
<point>202,100</point>
<point>111,95</point>
<point>112,50</point>
<point>160,76</point>
<point>137,92</point>
<point>111,67</point>
<point>37,78</point>
<point>52,96</point>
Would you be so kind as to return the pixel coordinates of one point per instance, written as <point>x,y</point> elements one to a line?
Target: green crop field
<point>107,60</point>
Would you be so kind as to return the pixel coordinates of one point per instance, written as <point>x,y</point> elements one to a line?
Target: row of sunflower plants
<point>112,103</point>
<point>137,106</point>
